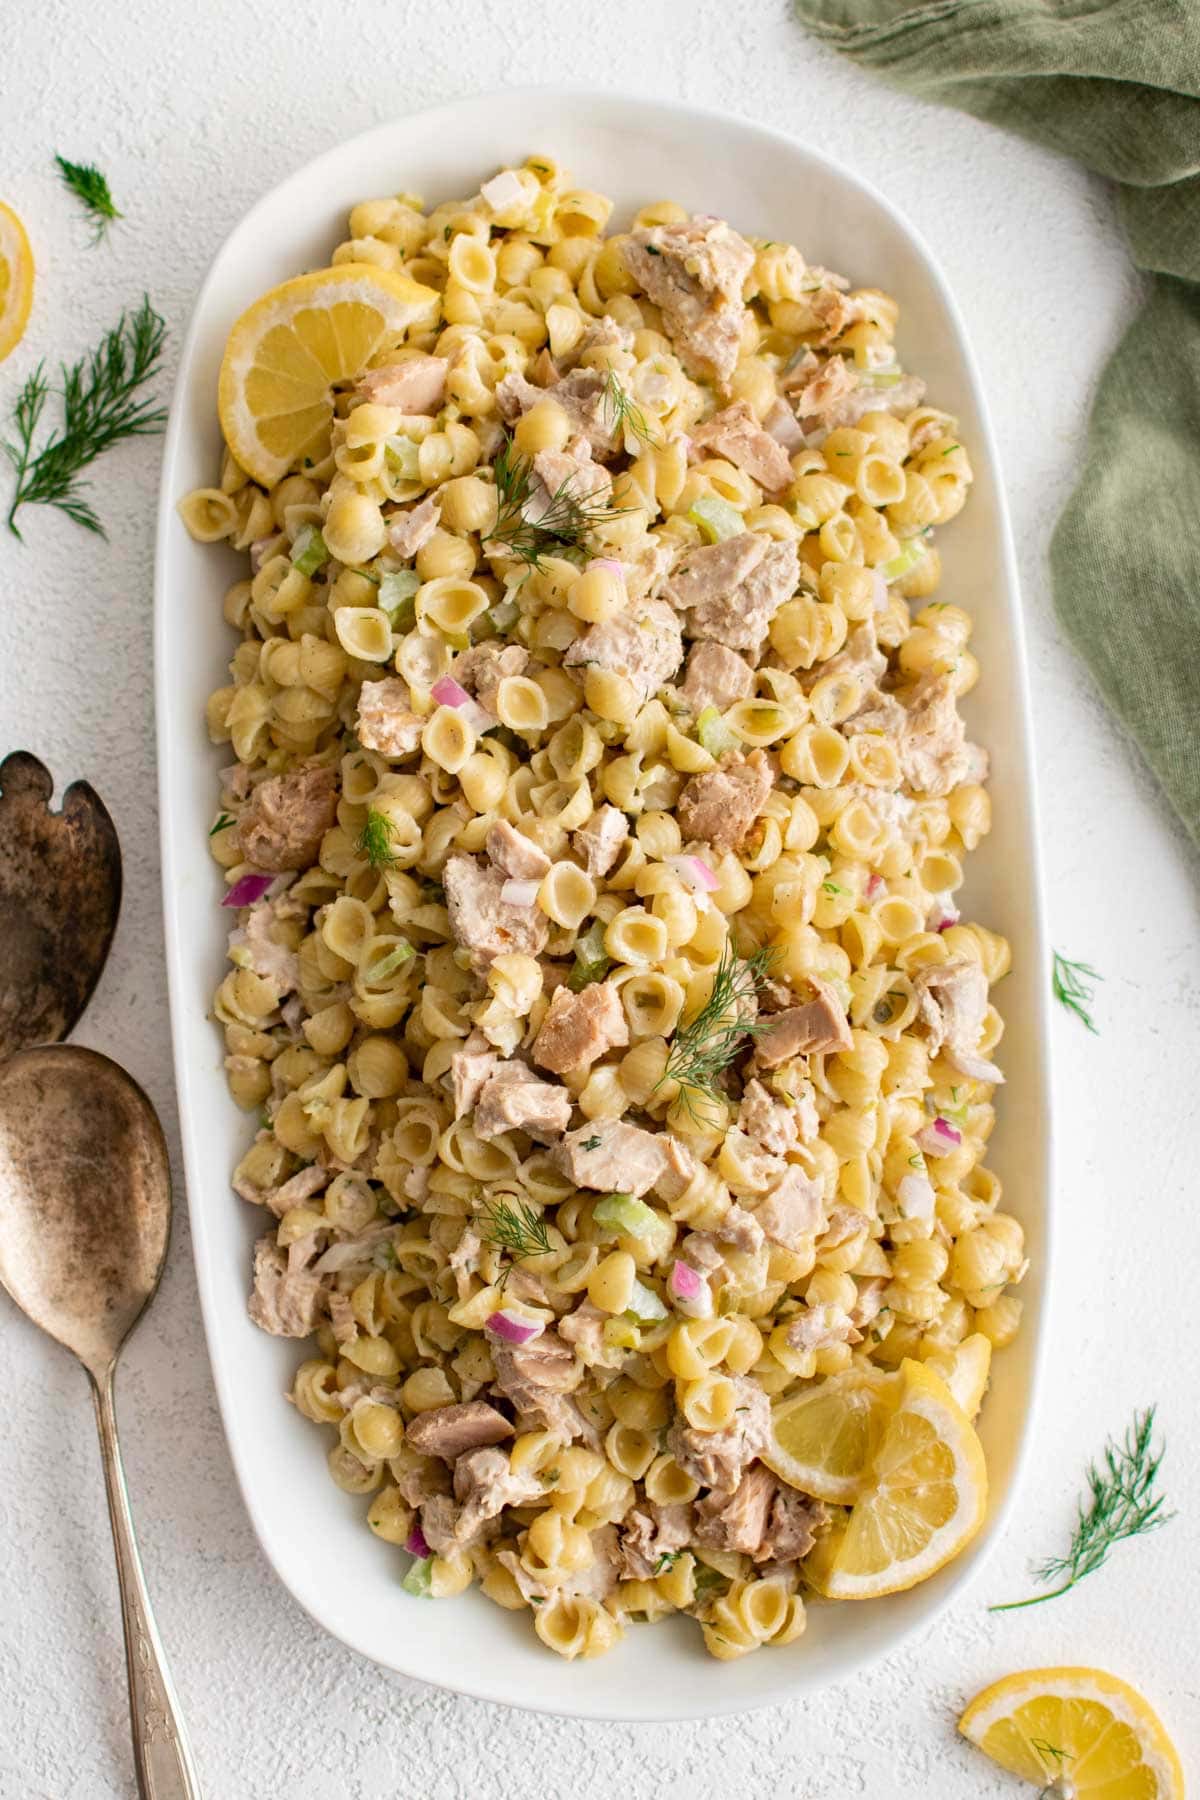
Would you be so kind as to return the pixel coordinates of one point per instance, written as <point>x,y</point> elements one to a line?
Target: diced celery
<point>622,1332</point>
<point>417,1581</point>
<point>388,964</point>
<point>715,518</point>
<point>713,734</point>
<point>910,555</point>
<point>396,593</point>
<point>308,550</point>
<point>645,1305</point>
<point>403,456</point>
<point>879,378</point>
<point>625,1215</point>
<point>591,960</point>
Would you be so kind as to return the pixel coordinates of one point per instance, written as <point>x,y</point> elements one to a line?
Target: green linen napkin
<point>1115,84</point>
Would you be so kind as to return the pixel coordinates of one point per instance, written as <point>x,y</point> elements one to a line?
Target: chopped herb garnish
<point>626,413</point>
<point>375,840</point>
<point>831,887</point>
<point>1070,983</point>
<point>666,1559</point>
<point>516,1227</point>
<point>653,250</point>
<point>446,234</point>
<point>91,188</point>
<point>704,1048</point>
<point>946,452</point>
<point>558,527</point>
<point>100,408</point>
<point>224,821</point>
<point>592,1143</point>
<point>1121,1503</point>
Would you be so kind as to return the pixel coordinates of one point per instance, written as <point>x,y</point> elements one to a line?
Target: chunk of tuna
<point>568,473</point>
<point>584,397</point>
<point>732,590</point>
<point>934,754</point>
<point>599,841</point>
<point>584,1330</point>
<point>649,1538</point>
<point>820,1026</point>
<point>771,1123</point>
<point>736,434</point>
<point>694,273</point>
<point>952,998</point>
<point>860,657</point>
<point>739,1229</point>
<point>253,946</point>
<point>469,1069</point>
<point>718,1459</point>
<point>793,1526</point>
<point>448,1431</point>
<point>286,817</point>
<point>578,1028</point>
<point>715,677</point>
<point>737,1521</point>
<point>417,385</point>
<point>481,921</point>
<point>484,666</point>
<point>720,807</point>
<point>386,721</point>
<point>513,1099</point>
<point>287,1303</point>
<point>644,644</point>
<point>514,853</point>
<point>821,1328</point>
<point>484,1484</point>
<point>410,529</point>
<point>850,408</point>
<point>539,1378</point>
<point>609,1156</point>
<point>296,1189</point>
<point>784,427</point>
<point>793,1212</point>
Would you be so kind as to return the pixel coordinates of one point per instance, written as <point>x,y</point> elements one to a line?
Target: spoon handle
<point>164,1761</point>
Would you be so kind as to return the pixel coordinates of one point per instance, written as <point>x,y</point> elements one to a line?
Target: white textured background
<point>193,111</point>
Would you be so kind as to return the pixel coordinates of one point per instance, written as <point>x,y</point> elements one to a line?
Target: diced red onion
<point>512,1329</point>
<point>874,886</point>
<point>946,920</point>
<point>879,591</point>
<point>247,890</point>
<point>694,873</point>
<point>608,562</point>
<point>520,893</point>
<point>447,692</point>
<point>938,1138</point>
<point>415,1543</point>
<point>945,1129</point>
<point>684,1282</point>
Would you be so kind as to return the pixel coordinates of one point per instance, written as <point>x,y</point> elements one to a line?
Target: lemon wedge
<point>286,352</point>
<point>16,280</point>
<point>823,1440</point>
<point>923,1500</point>
<point>1079,1730</point>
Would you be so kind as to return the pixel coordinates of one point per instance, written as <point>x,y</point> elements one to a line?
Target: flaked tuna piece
<point>820,1026</point>
<point>732,590</point>
<point>515,854</point>
<point>539,1378</point>
<point>718,1459</point>
<point>679,1168</point>
<point>860,656</point>
<point>583,1329</point>
<point>595,1580</point>
<point>737,1521</point>
<point>470,1067</point>
<point>583,395</point>
<point>644,644</point>
<point>605,333</point>
<point>934,754</point>
<point>342,1319</point>
<point>484,1484</point>
<point>645,562</point>
<point>419,1477</point>
<point>739,1229</point>
<point>295,1190</point>
<point>736,434</point>
<point>410,529</point>
<point>650,1536</point>
<point>579,1028</point>
<point>694,273</point>
<point>464,1260</point>
<point>818,388</point>
<point>869,1304</point>
<point>286,817</point>
<point>568,473</point>
<point>287,1303</point>
<point>715,677</point>
<point>386,720</point>
<point>771,1123</point>
<point>793,1212</point>
<point>900,398</point>
<point>821,1328</point>
<point>793,1526</point>
<point>513,1099</point>
<point>417,385</point>
<point>448,1431</point>
<point>611,1157</point>
<point>720,807</point>
<point>481,921</point>
<point>251,946</point>
<point>781,422</point>
<point>483,667</point>
<point>952,998</point>
<point>599,841</point>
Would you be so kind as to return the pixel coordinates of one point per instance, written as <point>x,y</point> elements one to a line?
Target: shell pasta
<point>597,803</point>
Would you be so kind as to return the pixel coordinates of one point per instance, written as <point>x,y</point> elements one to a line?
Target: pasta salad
<point>623,1065</point>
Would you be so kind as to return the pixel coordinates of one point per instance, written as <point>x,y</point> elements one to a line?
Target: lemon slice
<point>823,1440</point>
<point>16,280</point>
<point>965,1370</point>
<point>285,353</point>
<point>1080,1728</point>
<point>923,1502</point>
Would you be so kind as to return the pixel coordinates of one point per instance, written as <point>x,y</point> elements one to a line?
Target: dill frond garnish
<point>704,1048</point>
<point>375,840</point>
<point>91,188</point>
<point>1070,983</point>
<point>1121,1503</point>
<point>224,821</point>
<point>626,413</point>
<point>559,527</point>
<point>518,1228</point>
<point>101,407</point>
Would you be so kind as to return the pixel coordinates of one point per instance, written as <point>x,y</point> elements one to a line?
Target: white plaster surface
<point>193,110</point>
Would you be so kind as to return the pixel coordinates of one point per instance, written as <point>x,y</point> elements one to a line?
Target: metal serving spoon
<point>85,1215</point>
<point>60,892</point>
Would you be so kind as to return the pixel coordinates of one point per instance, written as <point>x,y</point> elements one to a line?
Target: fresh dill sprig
<point>1070,983</point>
<point>626,413</point>
<point>1121,1503</point>
<point>224,821</point>
<point>101,407</point>
<point>704,1048</point>
<point>558,527</point>
<point>375,840</point>
<point>520,1229</point>
<point>91,188</point>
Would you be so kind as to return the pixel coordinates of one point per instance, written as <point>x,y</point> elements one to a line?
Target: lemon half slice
<point>1089,1731</point>
<point>275,394</point>
<point>16,280</point>
<point>824,1439</point>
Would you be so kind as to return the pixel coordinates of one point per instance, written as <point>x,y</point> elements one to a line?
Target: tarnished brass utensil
<point>60,892</point>
<point>85,1216</point>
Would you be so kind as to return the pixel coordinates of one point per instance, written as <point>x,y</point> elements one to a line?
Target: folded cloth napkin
<point>1115,84</point>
